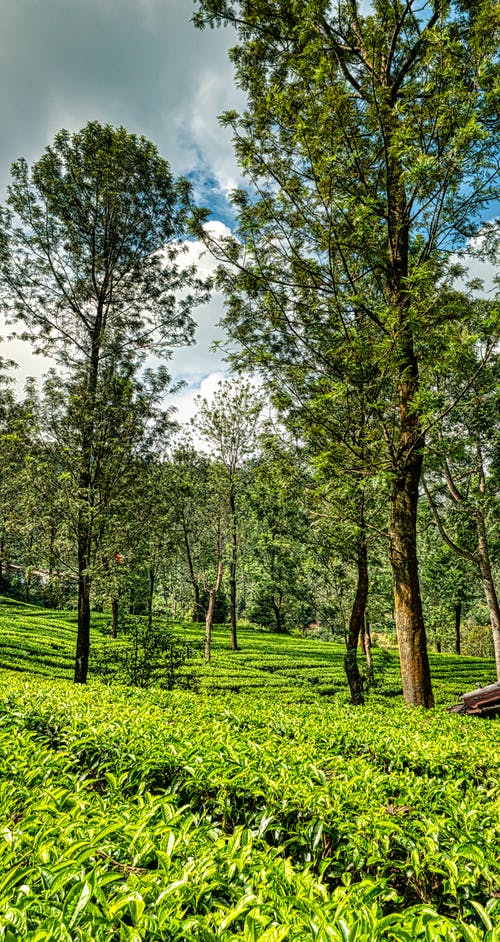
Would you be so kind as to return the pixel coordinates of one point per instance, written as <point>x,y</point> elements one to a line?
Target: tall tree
<point>276,525</point>
<point>91,265</point>
<point>462,480</point>
<point>369,141</point>
<point>229,426</point>
<point>186,485</point>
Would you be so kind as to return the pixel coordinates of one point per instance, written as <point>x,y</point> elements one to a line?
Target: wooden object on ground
<point>485,701</point>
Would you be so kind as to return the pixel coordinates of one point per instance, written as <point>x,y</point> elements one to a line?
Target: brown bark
<point>408,453</point>
<point>458,618</point>
<point>367,648</point>
<point>114,617</point>
<point>84,524</point>
<point>412,642</point>
<point>151,588</point>
<point>483,556</point>
<point>489,588</point>
<point>212,593</point>
<point>415,671</point>
<point>83,630</point>
<point>197,614</point>
<point>356,624</point>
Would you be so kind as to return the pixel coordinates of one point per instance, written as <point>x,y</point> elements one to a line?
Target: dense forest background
<point>350,486</point>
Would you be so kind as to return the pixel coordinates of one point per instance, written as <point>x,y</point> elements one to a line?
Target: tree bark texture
<point>489,588</point>
<point>83,630</point>
<point>212,594</point>
<point>407,456</point>
<point>114,617</point>
<point>483,556</point>
<point>415,670</point>
<point>356,625</point>
<point>458,618</point>
<point>194,582</point>
<point>84,524</point>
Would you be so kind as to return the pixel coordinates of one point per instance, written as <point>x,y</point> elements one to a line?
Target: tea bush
<point>166,815</point>
<point>278,812</point>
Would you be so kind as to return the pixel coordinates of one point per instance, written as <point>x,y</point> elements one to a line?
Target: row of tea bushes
<point>43,642</point>
<point>173,816</point>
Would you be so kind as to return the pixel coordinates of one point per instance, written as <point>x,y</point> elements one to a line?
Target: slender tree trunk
<point>356,624</point>
<point>194,582</point>
<point>483,555</point>
<point>489,588</point>
<point>277,604</point>
<point>83,632</point>
<point>367,646</point>
<point>232,569</point>
<point>415,670</point>
<point>151,588</point>
<point>458,618</point>
<point>114,617</point>
<point>212,594</point>
<point>84,524</point>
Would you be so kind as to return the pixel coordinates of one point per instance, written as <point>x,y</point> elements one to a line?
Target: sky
<point>136,63</point>
<point>140,64</point>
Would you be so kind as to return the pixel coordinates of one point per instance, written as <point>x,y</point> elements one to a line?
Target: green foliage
<point>282,814</point>
<point>146,655</point>
<point>164,815</point>
<point>477,641</point>
<point>42,642</point>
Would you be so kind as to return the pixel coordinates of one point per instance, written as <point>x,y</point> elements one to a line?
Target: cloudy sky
<point>137,63</point>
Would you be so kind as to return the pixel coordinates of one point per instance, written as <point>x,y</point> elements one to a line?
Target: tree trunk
<point>458,618</point>
<point>232,570</point>
<point>83,631</point>
<point>84,523</point>
<point>114,617</point>
<point>194,582</point>
<point>489,588</point>
<point>151,588</point>
<point>415,671</point>
<point>277,603</point>
<point>27,586</point>
<point>356,624</point>
<point>407,452</point>
<point>367,646</point>
<point>483,557</point>
<point>212,594</point>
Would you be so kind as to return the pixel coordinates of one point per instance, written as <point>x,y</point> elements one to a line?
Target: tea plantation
<point>259,806</point>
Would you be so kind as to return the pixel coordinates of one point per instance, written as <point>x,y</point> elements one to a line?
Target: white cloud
<point>185,401</point>
<point>193,364</point>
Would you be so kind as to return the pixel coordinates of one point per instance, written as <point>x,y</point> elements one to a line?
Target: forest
<point>344,479</point>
